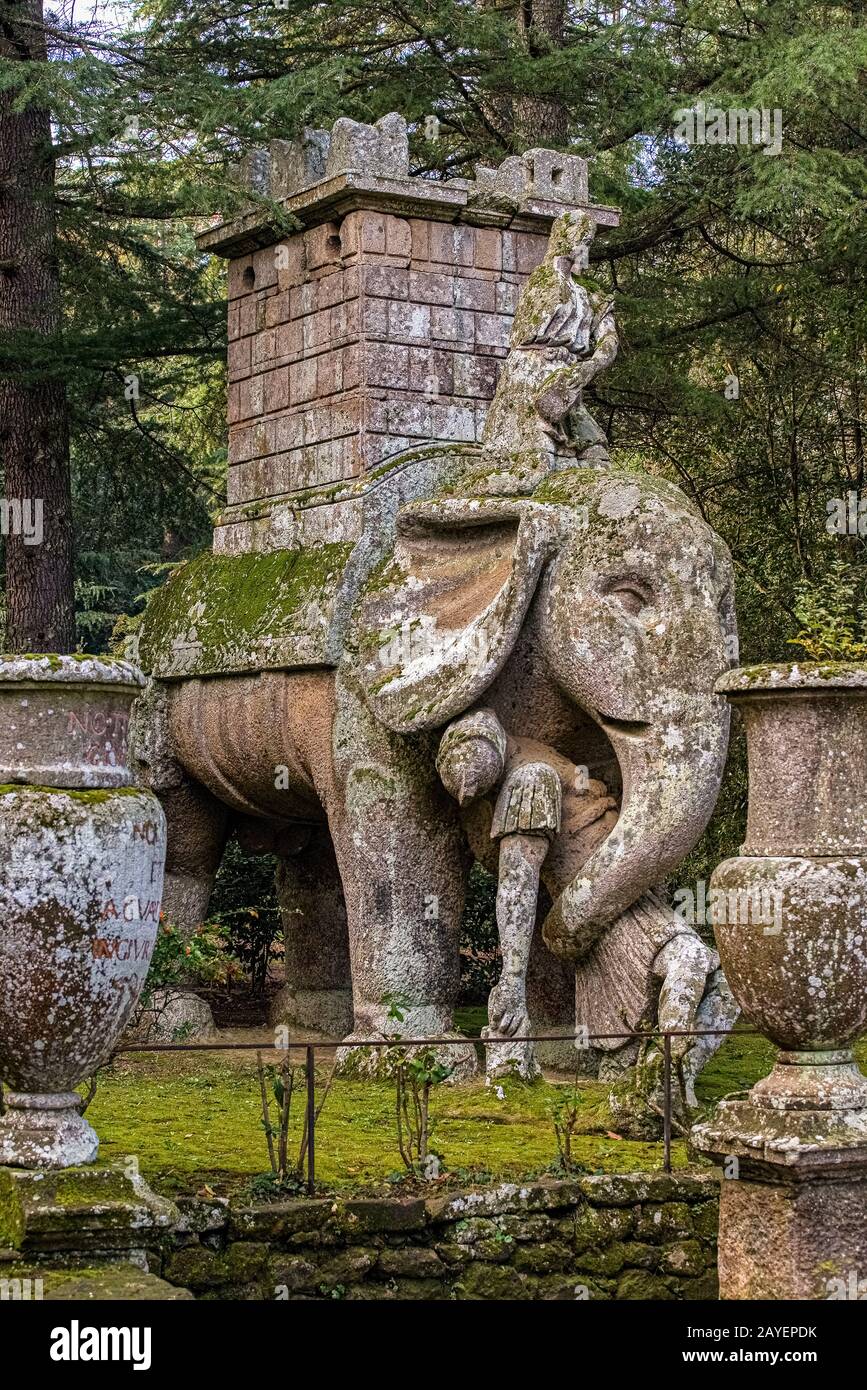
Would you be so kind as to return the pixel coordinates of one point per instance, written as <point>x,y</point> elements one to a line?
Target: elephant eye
<point>631,593</point>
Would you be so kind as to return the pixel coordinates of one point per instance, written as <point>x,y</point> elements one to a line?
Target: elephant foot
<point>505,1056</point>
<point>358,1058</point>
<point>297,1013</point>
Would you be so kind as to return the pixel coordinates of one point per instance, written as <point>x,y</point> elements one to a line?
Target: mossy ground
<point>194,1119</point>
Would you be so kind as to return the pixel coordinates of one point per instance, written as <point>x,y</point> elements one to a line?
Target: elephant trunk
<point>671,778</point>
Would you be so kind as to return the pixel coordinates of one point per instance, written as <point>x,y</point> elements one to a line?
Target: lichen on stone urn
<point>66,719</point>
<point>81,867</point>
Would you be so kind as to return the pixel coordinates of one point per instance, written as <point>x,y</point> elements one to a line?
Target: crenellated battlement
<point>375,330</point>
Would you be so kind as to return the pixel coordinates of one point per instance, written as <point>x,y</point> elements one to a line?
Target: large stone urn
<point>81,874</point>
<point>790,918</point>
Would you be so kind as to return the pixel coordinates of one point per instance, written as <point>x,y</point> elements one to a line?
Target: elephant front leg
<point>403,864</point>
<point>521,859</point>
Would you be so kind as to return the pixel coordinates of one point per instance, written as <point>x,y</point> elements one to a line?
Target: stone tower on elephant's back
<point>378,328</point>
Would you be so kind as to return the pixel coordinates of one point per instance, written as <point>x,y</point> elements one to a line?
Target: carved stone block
<point>381,149</point>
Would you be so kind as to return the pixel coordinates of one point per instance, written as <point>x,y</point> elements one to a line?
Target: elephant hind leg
<point>317,994</point>
<point>197,831</point>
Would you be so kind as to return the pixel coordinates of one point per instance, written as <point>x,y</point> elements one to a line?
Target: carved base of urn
<point>790,919</point>
<point>793,1202</point>
<point>45,1131</point>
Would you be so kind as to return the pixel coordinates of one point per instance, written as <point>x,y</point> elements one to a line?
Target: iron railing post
<point>311,1121</point>
<point>666,1113</point>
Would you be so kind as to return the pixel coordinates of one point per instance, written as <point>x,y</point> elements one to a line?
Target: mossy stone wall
<point>642,1236</point>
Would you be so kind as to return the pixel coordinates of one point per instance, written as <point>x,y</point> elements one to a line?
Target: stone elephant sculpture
<point>591,619</point>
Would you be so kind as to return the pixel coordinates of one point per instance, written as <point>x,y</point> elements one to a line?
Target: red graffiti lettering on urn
<point>100,755</point>
<point>121,948</point>
<point>98,724</point>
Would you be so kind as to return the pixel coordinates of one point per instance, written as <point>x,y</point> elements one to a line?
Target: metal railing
<point>330,1045</point>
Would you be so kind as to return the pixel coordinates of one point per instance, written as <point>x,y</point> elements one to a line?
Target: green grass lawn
<point>194,1119</point>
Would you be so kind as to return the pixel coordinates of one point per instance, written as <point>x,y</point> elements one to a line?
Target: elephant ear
<point>438,622</point>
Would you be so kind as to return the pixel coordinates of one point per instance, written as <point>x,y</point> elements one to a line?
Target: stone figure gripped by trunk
<point>532,816</point>
<point>579,613</point>
<point>562,338</point>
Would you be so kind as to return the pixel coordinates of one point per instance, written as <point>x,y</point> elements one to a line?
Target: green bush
<point>832,612</point>
<point>245,913</point>
<point>186,960</point>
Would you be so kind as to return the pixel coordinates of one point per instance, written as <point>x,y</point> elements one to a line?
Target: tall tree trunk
<point>34,421</point>
<point>540,120</point>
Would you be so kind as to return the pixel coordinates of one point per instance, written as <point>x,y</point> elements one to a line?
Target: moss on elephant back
<point>242,613</point>
<point>239,613</point>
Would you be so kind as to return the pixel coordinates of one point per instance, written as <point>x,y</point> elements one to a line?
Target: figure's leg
<point>521,859</point>
<point>694,995</point>
<point>403,864</point>
<point>317,995</point>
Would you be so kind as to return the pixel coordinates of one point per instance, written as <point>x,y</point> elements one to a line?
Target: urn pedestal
<point>790,919</point>
<point>81,873</point>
